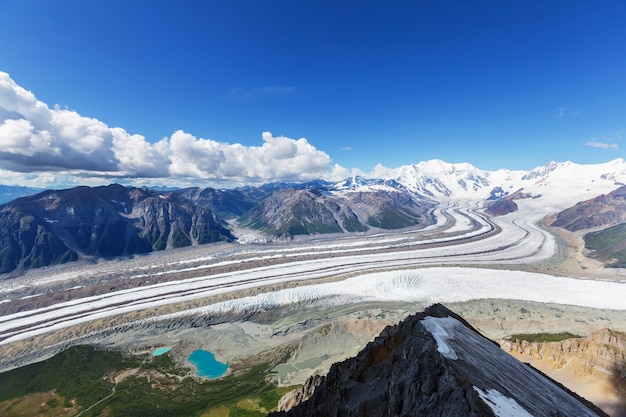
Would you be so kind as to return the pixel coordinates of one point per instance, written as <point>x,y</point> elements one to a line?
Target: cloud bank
<point>601,145</point>
<point>43,142</point>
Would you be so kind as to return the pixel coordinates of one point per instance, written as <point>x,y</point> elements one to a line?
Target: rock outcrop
<point>595,365</point>
<point>295,397</point>
<point>300,212</point>
<point>506,204</point>
<point>435,364</point>
<point>601,353</point>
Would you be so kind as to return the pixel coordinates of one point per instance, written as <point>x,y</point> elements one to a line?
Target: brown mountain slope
<point>604,210</point>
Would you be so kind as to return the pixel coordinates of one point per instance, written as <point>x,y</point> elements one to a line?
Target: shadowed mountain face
<point>54,227</point>
<point>297,212</point>
<point>225,203</point>
<point>292,212</point>
<point>434,363</point>
<point>604,210</point>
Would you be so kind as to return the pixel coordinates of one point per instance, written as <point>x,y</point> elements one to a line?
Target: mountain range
<point>11,192</point>
<point>57,226</point>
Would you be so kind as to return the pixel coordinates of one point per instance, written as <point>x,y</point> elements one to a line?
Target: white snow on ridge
<point>437,327</point>
<point>556,186</point>
<point>501,405</point>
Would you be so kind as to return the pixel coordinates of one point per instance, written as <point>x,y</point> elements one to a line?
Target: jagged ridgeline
<point>54,227</point>
<point>433,364</point>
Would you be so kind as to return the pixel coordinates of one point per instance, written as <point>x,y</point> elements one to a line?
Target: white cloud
<point>60,142</point>
<point>194,157</point>
<point>602,145</point>
<point>19,137</point>
<point>137,157</point>
<point>381,171</point>
<point>340,173</point>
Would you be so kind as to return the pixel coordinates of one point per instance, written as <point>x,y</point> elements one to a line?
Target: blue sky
<point>194,85</point>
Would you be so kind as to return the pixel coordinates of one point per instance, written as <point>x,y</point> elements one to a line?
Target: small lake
<point>161,350</point>
<point>207,365</point>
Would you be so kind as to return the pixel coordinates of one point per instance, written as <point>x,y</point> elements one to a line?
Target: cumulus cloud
<point>381,171</point>
<point>38,139</point>
<point>601,144</point>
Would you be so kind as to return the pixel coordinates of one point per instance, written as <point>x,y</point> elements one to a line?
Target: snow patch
<point>437,327</point>
<point>501,405</point>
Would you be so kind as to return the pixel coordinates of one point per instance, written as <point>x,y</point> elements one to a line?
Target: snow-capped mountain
<point>554,186</point>
<point>439,179</point>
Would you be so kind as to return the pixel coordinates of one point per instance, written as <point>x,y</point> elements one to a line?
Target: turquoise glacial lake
<point>161,350</point>
<point>207,365</point>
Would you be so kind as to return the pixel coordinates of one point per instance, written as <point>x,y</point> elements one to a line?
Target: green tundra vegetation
<point>393,219</point>
<point>89,382</point>
<point>542,337</point>
<point>608,245</point>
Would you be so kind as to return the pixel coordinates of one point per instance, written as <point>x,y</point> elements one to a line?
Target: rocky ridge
<point>604,210</point>
<point>290,212</point>
<point>434,363</point>
<point>602,353</point>
<point>55,227</point>
<point>590,363</point>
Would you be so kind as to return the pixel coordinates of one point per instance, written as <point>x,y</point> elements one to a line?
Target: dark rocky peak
<point>289,212</point>
<point>227,203</point>
<point>435,364</point>
<point>64,225</point>
<point>506,204</point>
<point>497,193</point>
